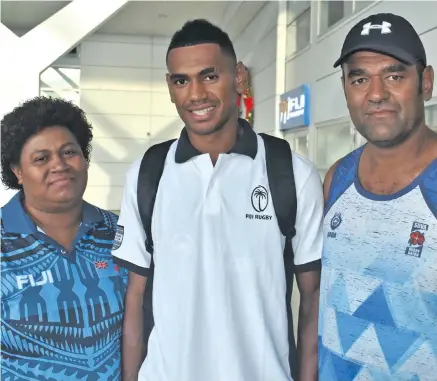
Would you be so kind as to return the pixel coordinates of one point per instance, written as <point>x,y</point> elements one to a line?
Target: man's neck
<point>402,155</point>
<point>219,142</point>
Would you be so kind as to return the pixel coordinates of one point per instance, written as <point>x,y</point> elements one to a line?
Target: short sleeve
<point>129,249</point>
<point>308,242</point>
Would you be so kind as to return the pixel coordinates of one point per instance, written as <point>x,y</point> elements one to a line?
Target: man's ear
<point>343,85</point>
<point>18,173</point>
<point>241,78</point>
<point>167,78</point>
<point>427,83</point>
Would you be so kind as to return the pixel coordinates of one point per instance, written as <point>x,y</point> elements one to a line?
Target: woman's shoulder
<point>107,217</point>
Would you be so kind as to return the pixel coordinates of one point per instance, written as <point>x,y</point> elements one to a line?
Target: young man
<point>378,311</point>
<point>219,286</point>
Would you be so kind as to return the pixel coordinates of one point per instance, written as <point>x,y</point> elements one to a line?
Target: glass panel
<point>303,29</point>
<point>332,12</point>
<point>301,146</point>
<point>335,12</point>
<point>299,33</point>
<point>333,142</point>
<point>296,8</point>
<point>298,143</point>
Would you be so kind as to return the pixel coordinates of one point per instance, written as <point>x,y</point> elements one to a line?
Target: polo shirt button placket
<point>212,197</point>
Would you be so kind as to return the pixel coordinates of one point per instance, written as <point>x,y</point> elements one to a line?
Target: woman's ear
<point>18,173</point>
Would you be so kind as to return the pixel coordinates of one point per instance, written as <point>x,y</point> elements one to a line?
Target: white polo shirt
<point>219,288</point>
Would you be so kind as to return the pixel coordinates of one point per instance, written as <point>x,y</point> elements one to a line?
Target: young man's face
<point>204,83</point>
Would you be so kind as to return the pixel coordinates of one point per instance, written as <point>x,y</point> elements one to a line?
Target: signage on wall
<point>294,108</point>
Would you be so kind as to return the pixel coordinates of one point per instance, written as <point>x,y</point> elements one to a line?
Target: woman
<point>61,296</point>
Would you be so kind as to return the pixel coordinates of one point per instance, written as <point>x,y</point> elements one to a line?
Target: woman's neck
<point>65,218</point>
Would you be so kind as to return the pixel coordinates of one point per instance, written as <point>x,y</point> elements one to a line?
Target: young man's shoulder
<point>306,176</point>
<point>301,163</point>
<point>134,168</point>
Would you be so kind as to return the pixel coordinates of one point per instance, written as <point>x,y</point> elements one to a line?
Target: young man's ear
<point>427,83</point>
<point>242,77</point>
<point>17,172</point>
<point>167,78</point>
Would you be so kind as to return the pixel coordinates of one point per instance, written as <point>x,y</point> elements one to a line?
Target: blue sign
<point>294,108</point>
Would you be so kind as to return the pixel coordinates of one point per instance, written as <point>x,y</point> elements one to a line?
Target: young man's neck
<point>219,142</point>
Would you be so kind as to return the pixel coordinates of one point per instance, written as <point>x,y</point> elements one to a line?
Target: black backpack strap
<point>279,163</point>
<point>151,168</point>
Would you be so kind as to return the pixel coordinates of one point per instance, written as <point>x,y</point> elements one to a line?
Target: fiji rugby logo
<point>260,199</point>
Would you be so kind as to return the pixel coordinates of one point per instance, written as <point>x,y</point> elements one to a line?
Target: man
<point>378,311</point>
<point>219,290</point>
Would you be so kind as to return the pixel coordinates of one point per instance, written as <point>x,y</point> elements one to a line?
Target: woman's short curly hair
<point>33,116</point>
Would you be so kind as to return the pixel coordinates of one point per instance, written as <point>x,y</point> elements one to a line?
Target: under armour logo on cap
<point>384,27</point>
<point>387,34</point>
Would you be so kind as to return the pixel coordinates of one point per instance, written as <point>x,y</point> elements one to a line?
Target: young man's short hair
<point>201,31</point>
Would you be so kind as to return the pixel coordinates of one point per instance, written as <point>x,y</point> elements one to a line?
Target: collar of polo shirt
<point>247,144</point>
<point>16,220</point>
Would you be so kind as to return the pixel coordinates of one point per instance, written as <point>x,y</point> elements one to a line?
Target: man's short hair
<point>201,31</point>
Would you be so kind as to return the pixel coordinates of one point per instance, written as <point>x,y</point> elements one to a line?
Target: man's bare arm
<point>132,343</point>
<point>328,180</point>
<point>307,338</point>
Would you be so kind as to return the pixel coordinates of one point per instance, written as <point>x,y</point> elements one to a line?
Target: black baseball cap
<point>387,34</point>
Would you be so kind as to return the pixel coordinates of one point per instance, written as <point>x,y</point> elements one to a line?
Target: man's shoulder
<point>346,165</point>
<point>304,170</point>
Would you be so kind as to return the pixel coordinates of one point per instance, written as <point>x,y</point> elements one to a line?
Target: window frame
<point>293,23</point>
<point>321,32</point>
<point>293,136</point>
<point>343,122</point>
